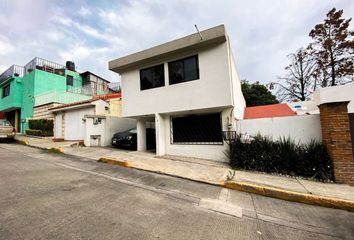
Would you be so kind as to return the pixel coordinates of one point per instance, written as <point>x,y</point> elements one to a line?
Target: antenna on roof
<point>196,27</point>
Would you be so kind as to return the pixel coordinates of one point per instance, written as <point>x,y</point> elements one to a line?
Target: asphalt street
<point>45,195</point>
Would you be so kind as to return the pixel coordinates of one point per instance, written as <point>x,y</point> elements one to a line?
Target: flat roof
<point>210,36</point>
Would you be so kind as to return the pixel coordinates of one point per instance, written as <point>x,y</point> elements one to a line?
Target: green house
<point>28,92</point>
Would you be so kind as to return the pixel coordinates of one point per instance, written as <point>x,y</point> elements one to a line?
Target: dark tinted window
<point>6,91</point>
<point>199,129</point>
<point>183,70</point>
<point>152,77</point>
<point>69,80</point>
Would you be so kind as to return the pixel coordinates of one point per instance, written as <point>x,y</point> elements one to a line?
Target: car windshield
<point>133,130</point>
<point>5,123</point>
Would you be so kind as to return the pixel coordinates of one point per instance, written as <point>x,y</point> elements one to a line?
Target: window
<point>152,77</point>
<point>69,80</point>
<point>183,70</point>
<point>6,91</point>
<point>197,129</point>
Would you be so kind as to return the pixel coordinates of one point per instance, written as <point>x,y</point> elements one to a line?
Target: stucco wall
<point>107,128</point>
<point>74,125</point>
<point>207,151</point>
<point>211,90</point>
<point>335,94</point>
<point>302,128</point>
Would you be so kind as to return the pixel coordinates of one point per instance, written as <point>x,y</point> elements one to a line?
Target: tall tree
<point>257,94</point>
<point>299,81</point>
<point>333,47</point>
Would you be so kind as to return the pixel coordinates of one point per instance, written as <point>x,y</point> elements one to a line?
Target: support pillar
<point>160,135</point>
<point>141,134</point>
<point>336,137</point>
<point>16,121</point>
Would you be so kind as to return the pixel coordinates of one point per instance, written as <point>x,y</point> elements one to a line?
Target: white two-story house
<point>188,89</point>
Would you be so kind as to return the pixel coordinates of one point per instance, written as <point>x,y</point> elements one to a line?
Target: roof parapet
<point>210,36</point>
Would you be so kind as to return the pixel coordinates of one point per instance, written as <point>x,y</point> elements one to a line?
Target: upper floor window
<point>152,77</point>
<point>183,70</point>
<point>6,91</point>
<point>69,80</point>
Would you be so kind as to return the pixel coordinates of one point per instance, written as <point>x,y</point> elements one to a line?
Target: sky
<point>90,33</point>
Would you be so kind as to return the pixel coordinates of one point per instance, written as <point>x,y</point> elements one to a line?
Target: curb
<point>55,149</point>
<point>256,189</point>
<point>23,142</point>
<point>290,195</point>
<point>114,161</point>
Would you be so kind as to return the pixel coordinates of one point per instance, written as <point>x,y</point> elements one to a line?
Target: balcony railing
<point>12,71</point>
<point>45,65</point>
<point>59,97</point>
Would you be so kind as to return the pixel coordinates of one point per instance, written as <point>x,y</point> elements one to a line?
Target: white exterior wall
<point>212,89</point>
<point>335,94</point>
<point>238,100</point>
<point>58,126</point>
<point>302,128</point>
<point>74,125</point>
<point>208,151</point>
<point>107,128</point>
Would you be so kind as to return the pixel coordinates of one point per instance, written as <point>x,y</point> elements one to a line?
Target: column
<point>141,134</point>
<point>160,135</point>
<point>337,138</point>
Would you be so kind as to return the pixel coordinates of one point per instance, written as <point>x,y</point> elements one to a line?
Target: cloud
<point>84,12</point>
<point>91,33</point>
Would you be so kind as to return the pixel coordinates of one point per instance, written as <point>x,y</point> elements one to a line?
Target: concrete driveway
<point>54,196</point>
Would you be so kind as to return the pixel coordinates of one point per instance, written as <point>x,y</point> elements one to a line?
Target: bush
<point>283,156</point>
<point>44,125</point>
<point>33,132</point>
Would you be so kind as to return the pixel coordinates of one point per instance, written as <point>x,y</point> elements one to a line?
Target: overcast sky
<point>91,33</point>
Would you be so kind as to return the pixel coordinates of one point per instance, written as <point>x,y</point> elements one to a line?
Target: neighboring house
<point>268,111</point>
<point>304,107</point>
<point>188,88</point>
<point>28,92</point>
<point>92,122</point>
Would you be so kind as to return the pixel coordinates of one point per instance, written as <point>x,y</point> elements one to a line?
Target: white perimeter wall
<point>299,128</point>
<point>107,128</point>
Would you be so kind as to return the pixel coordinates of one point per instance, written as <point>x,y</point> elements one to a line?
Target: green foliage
<point>33,132</point>
<point>257,94</point>
<point>283,156</point>
<point>44,125</point>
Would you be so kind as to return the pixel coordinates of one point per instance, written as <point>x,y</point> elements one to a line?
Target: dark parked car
<point>128,139</point>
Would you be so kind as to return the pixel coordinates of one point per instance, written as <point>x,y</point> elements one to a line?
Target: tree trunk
<point>333,75</point>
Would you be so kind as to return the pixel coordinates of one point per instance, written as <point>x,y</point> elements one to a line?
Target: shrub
<point>281,156</point>
<point>34,132</point>
<point>44,125</point>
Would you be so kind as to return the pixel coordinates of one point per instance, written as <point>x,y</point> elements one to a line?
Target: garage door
<point>74,126</point>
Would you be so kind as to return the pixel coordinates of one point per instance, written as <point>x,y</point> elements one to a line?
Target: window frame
<point>150,68</point>
<point>72,80</point>
<point>183,61</point>
<point>195,143</point>
<point>8,92</point>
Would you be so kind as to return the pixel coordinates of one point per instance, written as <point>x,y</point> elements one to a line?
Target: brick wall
<point>337,138</point>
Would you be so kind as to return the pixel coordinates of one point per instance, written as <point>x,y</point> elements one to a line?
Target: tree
<point>299,81</point>
<point>333,47</point>
<point>257,94</point>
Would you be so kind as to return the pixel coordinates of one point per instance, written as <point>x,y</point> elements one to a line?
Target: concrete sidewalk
<point>43,142</point>
<point>212,173</point>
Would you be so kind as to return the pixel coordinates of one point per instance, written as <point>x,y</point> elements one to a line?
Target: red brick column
<point>336,137</point>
